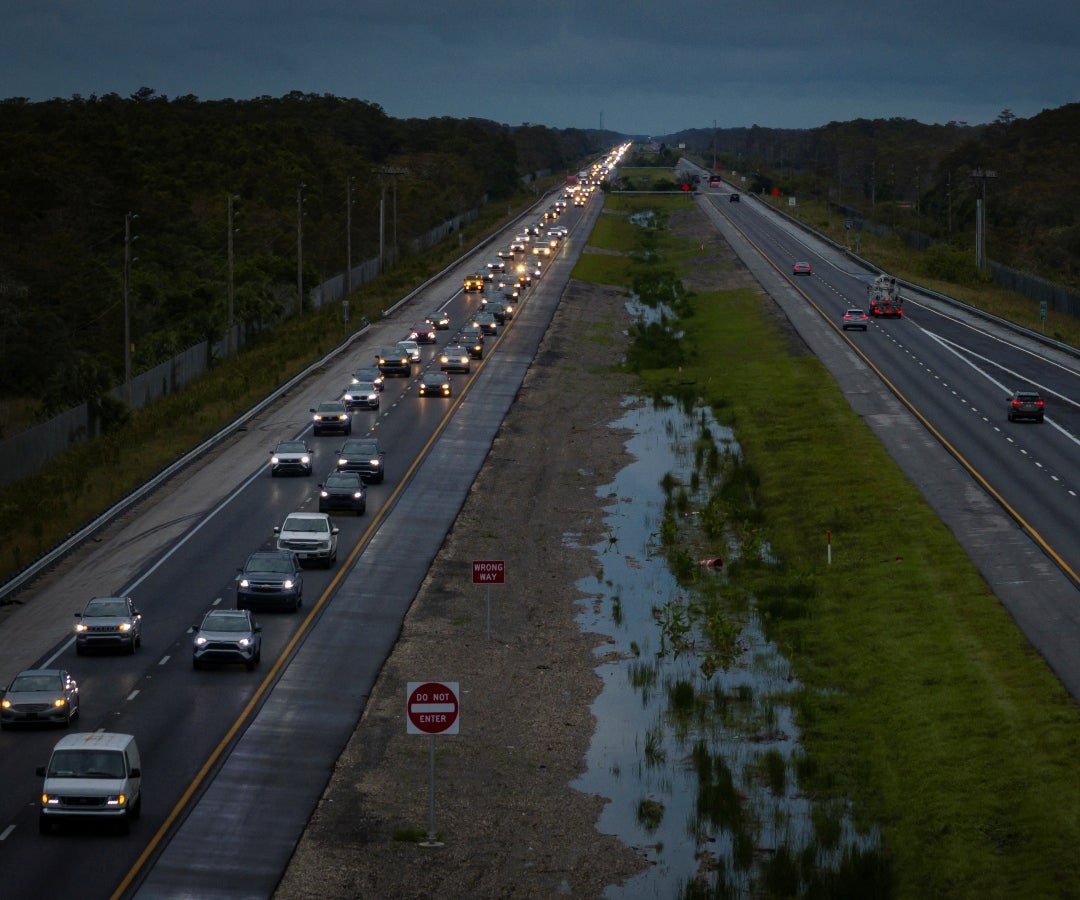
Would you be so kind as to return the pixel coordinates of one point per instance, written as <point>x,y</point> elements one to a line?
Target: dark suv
<point>1025,405</point>
<point>364,456</point>
<point>270,579</point>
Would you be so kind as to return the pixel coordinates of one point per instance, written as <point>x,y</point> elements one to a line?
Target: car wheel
<point>1039,420</point>
<point>132,644</point>
<point>273,473</point>
<point>67,720</point>
<point>362,509</point>
<point>136,809</point>
<point>249,664</point>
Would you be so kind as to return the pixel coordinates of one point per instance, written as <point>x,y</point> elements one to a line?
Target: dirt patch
<point>510,822</point>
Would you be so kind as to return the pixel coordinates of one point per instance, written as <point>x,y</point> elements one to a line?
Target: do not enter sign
<point>431,707</point>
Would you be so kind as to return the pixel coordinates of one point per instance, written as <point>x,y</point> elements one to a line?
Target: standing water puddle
<point>700,769</point>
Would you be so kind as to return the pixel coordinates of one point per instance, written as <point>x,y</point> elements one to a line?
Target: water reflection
<point>699,761</point>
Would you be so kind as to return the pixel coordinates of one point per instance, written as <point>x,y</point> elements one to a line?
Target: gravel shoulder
<point>510,822</point>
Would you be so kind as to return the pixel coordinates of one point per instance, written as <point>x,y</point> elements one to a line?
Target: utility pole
<point>391,172</point>
<point>714,145</point>
<point>980,177</point>
<point>127,303</point>
<point>300,249</point>
<point>229,347</point>
<point>348,235</point>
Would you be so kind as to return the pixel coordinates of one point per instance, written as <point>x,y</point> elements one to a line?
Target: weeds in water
<point>650,813</point>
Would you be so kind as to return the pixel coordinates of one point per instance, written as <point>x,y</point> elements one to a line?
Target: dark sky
<point>636,67</point>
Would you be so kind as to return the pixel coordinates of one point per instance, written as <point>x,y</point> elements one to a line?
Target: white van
<point>92,775</point>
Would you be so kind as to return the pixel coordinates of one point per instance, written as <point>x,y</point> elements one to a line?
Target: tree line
<point>927,179</point>
<point>80,172</point>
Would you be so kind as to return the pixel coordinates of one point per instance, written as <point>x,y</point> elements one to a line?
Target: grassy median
<point>922,704</point>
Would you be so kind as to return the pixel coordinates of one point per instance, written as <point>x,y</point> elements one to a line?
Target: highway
<point>234,761</point>
<point>932,385</point>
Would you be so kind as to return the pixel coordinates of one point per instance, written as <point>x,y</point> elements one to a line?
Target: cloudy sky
<point>633,66</point>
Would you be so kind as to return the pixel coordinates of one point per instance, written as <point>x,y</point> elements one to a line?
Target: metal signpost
<point>431,708</point>
<point>488,572</point>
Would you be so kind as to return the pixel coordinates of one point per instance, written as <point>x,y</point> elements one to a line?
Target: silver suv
<point>108,623</point>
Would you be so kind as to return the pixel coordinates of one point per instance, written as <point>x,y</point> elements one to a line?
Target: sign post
<point>488,572</point>
<point>431,708</point>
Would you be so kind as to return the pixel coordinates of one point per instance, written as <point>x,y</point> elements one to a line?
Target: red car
<point>423,333</point>
<point>855,318</point>
<point>801,268</point>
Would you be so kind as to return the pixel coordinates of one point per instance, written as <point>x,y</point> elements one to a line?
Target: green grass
<point>922,702</point>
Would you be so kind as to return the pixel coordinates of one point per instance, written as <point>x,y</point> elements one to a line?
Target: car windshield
<point>362,387</point>
<point>360,448</point>
<point>25,683</point>
<point>225,623</point>
<point>342,480</point>
<point>305,524</point>
<point>106,607</point>
<point>329,407</point>
<point>269,564</point>
<point>434,379</point>
<point>292,447</point>
<point>87,764</point>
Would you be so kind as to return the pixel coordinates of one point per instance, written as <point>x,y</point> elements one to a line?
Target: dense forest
<point>919,179</point>
<point>84,179</point>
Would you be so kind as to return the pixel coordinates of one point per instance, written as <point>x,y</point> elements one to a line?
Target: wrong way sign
<point>431,707</point>
<point>488,571</point>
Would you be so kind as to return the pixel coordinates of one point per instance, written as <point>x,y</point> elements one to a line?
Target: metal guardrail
<point>77,538</point>
<point>913,288</point>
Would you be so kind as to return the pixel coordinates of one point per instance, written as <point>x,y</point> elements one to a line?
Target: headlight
<point>59,703</point>
<point>343,462</point>
<point>116,800</point>
<point>244,583</point>
<point>288,584</point>
<point>305,459</point>
<point>274,460</point>
<point>5,703</point>
<point>357,495</point>
<point>324,493</point>
<point>124,626</point>
<point>200,641</point>
<point>80,628</point>
<point>317,418</point>
<point>244,642</point>
<point>375,462</point>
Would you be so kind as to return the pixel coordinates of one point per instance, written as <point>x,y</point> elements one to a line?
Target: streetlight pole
<point>300,249</point>
<point>348,235</point>
<point>980,177</point>
<point>127,304</point>
<point>229,347</point>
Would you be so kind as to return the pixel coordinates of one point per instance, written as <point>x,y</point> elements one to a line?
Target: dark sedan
<point>1025,405</point>
<point>343,490</point>
<point>40,697</point>
<point>434,384</point>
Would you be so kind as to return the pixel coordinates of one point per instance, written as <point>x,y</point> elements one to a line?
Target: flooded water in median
<point>699,768</point>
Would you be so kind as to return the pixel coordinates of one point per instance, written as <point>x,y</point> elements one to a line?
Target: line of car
<point>271,578</point>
